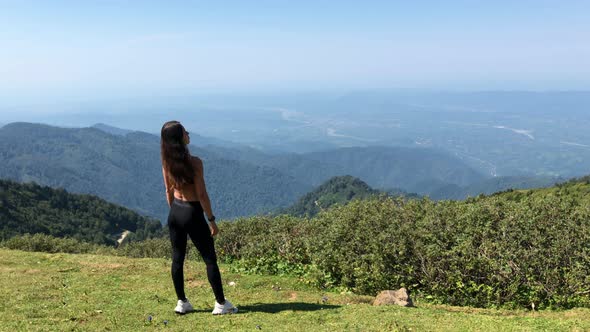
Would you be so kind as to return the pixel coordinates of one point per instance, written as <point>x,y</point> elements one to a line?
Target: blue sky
<point>114,47</point>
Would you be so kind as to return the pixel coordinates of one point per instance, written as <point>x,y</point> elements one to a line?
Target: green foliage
<point>364,246</point>
<point>507,250</point>
<point>30,208</point>
<point>496,252</point>
<point>50,244</point>
<point>155,248</point>
<point>264,244</point>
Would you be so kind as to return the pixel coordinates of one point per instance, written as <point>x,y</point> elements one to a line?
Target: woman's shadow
<point>273,308</point>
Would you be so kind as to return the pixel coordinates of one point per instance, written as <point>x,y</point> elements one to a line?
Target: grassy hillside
<point>58,292</point>
<point>30,208</point>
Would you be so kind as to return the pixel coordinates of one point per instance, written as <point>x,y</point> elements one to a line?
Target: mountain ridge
<point>126,170</point>
<point>242,181</point>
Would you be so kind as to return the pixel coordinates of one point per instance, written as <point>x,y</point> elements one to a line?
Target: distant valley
<point>497,133</point>
<point>123,166</point>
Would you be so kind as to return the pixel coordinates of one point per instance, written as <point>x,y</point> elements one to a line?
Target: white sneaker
<point>183,307</point>
<point>226,308</point>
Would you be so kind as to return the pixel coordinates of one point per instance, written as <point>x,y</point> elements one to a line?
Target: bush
<point>497,251</point>
<point>152,248</point>
<point>50,244</point>
<point>264,244</point>
<point>362,246</point>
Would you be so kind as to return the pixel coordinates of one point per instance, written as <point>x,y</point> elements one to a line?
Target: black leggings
<point>186,218</point>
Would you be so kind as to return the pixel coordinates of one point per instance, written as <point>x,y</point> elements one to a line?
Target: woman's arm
<point>201,188</point>
<point>203,195</point>
<point>169,189</point>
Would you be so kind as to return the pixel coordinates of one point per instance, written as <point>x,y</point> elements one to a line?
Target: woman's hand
<point>214,228</point>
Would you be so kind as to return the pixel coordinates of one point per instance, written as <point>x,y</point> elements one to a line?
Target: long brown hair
<point>176,157</point>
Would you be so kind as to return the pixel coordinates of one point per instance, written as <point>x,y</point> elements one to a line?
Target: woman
<point>187,198</point>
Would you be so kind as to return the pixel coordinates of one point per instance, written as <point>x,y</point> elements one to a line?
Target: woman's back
<point>188,191</point>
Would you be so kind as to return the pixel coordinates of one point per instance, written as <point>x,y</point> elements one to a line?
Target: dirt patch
<point>6,269</point>
<point>574,313</point>
<point>13,270</point>
<point>359,299</point>
<point>32,271</point>
<point>196,283</point>
<point>480,311</point>
<point>103,265</point>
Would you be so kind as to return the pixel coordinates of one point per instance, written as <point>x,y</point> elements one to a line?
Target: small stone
<point>231,283</point>
<point>399,297</point>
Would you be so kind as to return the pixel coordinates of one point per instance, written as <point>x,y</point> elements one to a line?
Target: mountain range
<point>123,167</point>
<point>126,170</point>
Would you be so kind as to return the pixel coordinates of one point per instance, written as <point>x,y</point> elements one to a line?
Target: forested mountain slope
<point>30,208</point>
<point>126,170</point>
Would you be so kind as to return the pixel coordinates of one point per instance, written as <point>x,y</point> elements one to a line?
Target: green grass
<point>60,292</point>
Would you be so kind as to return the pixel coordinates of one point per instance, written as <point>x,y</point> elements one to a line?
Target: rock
<point>399,297</point>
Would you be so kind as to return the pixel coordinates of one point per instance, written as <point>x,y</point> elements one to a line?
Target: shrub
<point>264,244</point>
<point>50,244</point>
<point>365,246</point>
<point>152,248</point>
<point>499,251</point>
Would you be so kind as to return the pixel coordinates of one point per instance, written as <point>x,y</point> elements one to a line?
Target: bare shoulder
<point>197,163</point>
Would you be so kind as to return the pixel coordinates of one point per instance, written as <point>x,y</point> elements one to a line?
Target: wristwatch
<point>212,219</point>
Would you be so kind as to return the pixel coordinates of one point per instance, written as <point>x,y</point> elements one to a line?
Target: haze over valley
<point>264,155</point>
<point>495,133</point>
